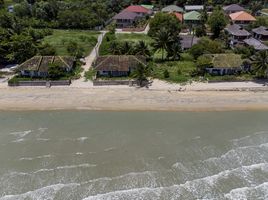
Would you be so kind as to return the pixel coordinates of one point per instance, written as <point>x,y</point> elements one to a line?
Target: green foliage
<point>202,63</point>
<point>89,75</point>
<point>261,63</point>
<point>246,52</point>
<point>217,22</point>
<point>164,21</point>
<point>74,49</point>
<point>166,73</point>
<point>200,31</point>
<point>141,73</point>
<point>46,49</point>
<point>55,71</point>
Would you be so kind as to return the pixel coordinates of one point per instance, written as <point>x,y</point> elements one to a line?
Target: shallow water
<point>133,155</point>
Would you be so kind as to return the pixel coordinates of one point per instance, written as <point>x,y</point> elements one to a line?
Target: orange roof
<point>137,9</point>
<point>242,16</point>
<point>179,16</point>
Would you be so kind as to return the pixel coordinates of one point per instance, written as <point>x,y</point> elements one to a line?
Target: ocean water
<point>86,155</point>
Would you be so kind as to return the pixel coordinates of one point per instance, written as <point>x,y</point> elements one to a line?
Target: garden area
<point>61,38</point>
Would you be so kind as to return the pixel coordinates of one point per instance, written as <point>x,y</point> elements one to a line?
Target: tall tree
<point>261,63</point>
<point>217,21</point>
<point>141,73</point>
<point>142,49</point>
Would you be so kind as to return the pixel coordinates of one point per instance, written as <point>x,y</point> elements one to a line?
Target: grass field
<point>133,37</point>
<point>60,38</point>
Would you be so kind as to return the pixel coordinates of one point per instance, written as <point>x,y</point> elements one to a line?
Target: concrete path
<point>81,82</point>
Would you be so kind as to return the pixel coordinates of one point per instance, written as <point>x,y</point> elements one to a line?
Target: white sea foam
<point>84,165</point>
<point>260,191</point>
<point>37,157</point>
<point>82,139</point>
<point>78,153</point>
<point>21,134</point>
<point>109,149</point>
<point>44,193</point>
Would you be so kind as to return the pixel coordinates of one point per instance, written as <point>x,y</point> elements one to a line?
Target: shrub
<point>166,73</point>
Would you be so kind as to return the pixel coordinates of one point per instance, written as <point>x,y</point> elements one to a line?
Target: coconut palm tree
<point>141,73</point>
<point>126,48</point>
<point>261,63</point>
<point>114,48</point>
<point>174,49</point>
<point>161,41</point>
<point>142,49</point>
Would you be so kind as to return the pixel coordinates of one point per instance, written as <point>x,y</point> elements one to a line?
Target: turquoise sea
<point>86,155</point>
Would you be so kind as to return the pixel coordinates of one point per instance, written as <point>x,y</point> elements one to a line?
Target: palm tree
<point>161,41</point>
<point>114,48</point>
<point>174,49</point>
<point>141,73</point>
<point>142,49</point>
<point>261,63</point>
<point>126,48</point>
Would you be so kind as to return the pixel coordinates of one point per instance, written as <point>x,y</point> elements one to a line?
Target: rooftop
<point>149,7</point>
<point>237,30</point>
<point>262,30</point>
<point>193,16</point>
<point>194,7</point>
<point>242,16</point>
<point>126,15</point>
<point>172,8</point>
<point>256,44</point>
<point>137,9</point>
<point>187,41</point>
<point>233,7</point>
<point>226,60</point>
<point>41,63</point>
<point>178,15</point>
<point>118,62</point>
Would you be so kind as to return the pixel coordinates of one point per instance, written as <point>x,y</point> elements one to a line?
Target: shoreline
<point>130,99</point>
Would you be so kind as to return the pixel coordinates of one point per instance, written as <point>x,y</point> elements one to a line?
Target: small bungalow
<point>189,8</point>
<point>192,18</point>
<point>172,8</point>
<point>242,18</point>
<point>260,33</point>
<point>225,64</point>
<point>179,16</point>
<point>187,41</point>
<point>117,65</point>
<point>139,10</point>
<point>233,8</point>
<point>125,19</point>
<point>38,66</point>
<point>256,44</point>
<point>236,34</point>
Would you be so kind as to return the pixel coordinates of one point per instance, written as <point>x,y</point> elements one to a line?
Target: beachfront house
<point>260,33</point>
<point>139,10</point>
<point>192,18</point>
<point>38,66</point>
<point>225,64</point>
<point>189,8</point>
<point>233,8</point>
<point>125,19</point>
<point>256,44</point>
<point>117,65</point>
<point>172,8</point>
<point>242,18</point>
<point>236,34</point>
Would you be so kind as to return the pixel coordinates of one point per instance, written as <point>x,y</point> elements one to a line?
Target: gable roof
<point>193,7</point>
<point>242,16</point>
<point>126,15</point>
<point>225,60</point>
<point>256,44</point>
<point>172,8</point>
<point>178,15</point>
<point>137,9</point>
<point>118,62</point>
<point>233,7</point>
<point>193,15</point>
<point>41,63</point>
<point>149,7</point>
<point>262,30</point>
<point>236,30</point>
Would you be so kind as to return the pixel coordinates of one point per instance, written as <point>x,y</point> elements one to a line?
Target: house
<point>117,65</point>
<point>225,64</point>
<point>233,8</point>
<point>260,33</point>
<point>190,8</point>
<point>256,44</point>
<point>236,34</point>
<point>187,41</point>
<point>192,18</point>
<point>149,7</point>
<point>172,8</point>
<point>139,10</point>
<point>242,18</point>
<point>179,16</point>
<point>38,66</point>
<point>125,19</point>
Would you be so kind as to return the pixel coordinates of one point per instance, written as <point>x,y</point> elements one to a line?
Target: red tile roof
<point>137,9</point>
<point>178,15</point>
<point>242,16</point>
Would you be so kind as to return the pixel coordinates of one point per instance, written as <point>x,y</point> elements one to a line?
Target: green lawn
<point>133,37</point>
<point>60,38</point>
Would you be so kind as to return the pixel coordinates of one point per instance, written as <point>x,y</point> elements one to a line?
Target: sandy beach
<point>200,97</point>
